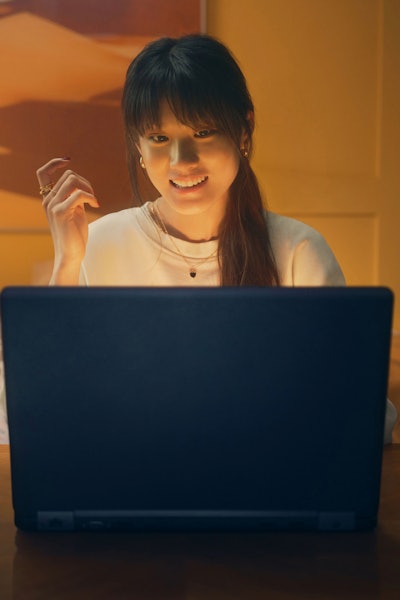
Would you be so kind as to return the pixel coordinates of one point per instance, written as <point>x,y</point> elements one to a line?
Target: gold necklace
<point>155,213</point>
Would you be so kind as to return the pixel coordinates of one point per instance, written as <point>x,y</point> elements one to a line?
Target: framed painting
<point>63,65</point>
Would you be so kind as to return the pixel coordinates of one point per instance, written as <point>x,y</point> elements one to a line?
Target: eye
<point>158,139</point>
<point>205,133</point>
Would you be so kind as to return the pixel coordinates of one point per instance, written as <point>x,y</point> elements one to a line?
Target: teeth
<point>188,183</point>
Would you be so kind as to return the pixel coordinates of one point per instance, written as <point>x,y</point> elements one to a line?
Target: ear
<point>248,132</point>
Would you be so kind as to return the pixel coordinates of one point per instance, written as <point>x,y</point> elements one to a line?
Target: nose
<point>183,151</point>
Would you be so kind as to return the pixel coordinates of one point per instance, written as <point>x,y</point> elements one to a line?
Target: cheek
<point>144,151</point>
<point>227,163</point>
<point>148,152</point>
<point>225,152</point>
<point>155,161</point>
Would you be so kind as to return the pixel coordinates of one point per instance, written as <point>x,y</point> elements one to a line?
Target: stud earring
<point>244,152</point>
<point>141,162</point>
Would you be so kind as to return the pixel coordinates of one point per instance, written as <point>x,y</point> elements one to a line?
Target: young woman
<point>189,122</point>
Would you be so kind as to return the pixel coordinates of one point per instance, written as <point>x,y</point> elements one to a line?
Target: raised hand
<point>64,202</point>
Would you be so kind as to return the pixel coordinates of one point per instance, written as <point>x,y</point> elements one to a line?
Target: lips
<point>188,183</point>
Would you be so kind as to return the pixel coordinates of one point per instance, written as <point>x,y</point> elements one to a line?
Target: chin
<point>194,206</point>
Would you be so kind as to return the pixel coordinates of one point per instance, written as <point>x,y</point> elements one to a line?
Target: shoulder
<point>119,248</point>
<point>122,219</point>
<point>114,236</point>
<point>302,254</point>
<point>118,227</point>
<point>290,231</point>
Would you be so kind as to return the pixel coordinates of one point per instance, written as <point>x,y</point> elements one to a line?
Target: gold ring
<point>45,189</point>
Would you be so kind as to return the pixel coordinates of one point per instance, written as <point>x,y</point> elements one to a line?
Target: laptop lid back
<point>212,408</point>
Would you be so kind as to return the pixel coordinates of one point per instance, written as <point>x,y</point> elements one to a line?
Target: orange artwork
<point>62,65</point>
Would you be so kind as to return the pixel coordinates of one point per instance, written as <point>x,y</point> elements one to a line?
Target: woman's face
<point>191,169</point>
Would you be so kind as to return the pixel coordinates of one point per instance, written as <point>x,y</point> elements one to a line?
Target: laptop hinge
<point>54,520</point>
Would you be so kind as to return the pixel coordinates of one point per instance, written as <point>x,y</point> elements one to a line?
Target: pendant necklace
<point>155,213</point>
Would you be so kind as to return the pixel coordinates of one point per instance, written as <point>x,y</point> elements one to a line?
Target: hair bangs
<point>194,106</point>
<point>198,100</point>
<point>194,100</point>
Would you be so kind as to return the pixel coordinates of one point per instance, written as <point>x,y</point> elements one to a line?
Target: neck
<point>196,227</point>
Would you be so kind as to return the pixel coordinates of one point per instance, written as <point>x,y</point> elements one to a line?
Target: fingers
<point>69,186</point>
<point>44,174</point>
<point>68,183</point>
<point>77,198</point>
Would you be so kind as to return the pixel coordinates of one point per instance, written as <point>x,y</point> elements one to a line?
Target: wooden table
<point>192,567</point>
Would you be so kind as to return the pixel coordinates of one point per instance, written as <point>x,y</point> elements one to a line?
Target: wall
<point>324,78</point>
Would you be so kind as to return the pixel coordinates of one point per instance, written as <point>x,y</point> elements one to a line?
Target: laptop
<point>186,409</point>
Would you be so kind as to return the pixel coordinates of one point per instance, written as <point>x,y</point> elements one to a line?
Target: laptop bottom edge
<point>194,520</point>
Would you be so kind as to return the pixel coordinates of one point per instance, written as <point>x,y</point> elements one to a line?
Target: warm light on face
<point>191,169</point>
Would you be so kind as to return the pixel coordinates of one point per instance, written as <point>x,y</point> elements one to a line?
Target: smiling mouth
<point>188,183</point>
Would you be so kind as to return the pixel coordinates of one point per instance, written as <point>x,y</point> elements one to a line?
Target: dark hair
<point>202,82</point>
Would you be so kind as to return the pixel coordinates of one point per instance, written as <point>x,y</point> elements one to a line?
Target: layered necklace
<point>158,220</point>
